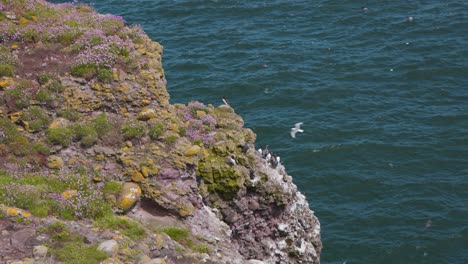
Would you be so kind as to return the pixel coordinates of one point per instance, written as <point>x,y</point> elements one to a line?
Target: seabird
<point>260,151</point>
<point>274,162</point>
<point>225,101</point>
<point>266,152</point>
<point>278,159</point>
<point>268,157</point>
<point>232,161</point>
<point>295,129</point>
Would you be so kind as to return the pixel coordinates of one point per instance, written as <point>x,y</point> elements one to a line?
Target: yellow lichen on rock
<point>59,122</point>
<point>193,150</point>
<point>15,116</point>
<point>145,171</point>
<point>12,211</point>
<point>69,194</point>
<point>23,21</point>
<point>55,162</point>
<point>129,195</point>
<point>137,176</point>
<point>5,82</point>
<point>147,114</point>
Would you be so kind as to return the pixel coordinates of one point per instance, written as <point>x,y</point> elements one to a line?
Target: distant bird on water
<point>225,101</point>
<point>295,129</point>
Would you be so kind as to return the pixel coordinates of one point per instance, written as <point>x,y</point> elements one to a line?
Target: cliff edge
<point>96,166</point>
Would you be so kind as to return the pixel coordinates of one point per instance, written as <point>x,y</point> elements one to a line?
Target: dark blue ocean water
<point>383,97</point>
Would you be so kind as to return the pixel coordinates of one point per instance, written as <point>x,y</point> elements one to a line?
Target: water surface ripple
<point>383,98</point>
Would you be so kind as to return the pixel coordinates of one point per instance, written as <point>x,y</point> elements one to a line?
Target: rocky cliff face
<point>96,161</point>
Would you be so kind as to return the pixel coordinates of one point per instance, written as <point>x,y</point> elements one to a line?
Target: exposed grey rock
<point>20,239</point>
<point>40,251</point>
<point>110,247</point>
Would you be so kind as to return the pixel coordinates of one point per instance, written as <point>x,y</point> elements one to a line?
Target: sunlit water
<point>382,92</point>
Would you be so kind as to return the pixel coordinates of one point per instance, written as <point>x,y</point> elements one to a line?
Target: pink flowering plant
<point>97,41</point>
<point>68,196</point>
<point>201,127</point>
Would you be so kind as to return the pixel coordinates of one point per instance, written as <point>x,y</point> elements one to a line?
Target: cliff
<point>98,166</point>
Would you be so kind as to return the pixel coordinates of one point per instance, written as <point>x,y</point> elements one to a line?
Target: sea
<point>380,86</point>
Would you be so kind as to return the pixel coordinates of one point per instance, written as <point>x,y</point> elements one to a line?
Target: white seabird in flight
<point>295,129</point>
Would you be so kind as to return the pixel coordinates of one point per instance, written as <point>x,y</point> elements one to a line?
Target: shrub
<point>60,136</point>
<point>105,75</point>
<point>83,70</point>
<point>16,98</point>
<point>69,247</point>
<point>78,253</point>
<point>44,78</point>
<point>112,187</point>
<point>56,87</point>
<point>43,96</point>
<point>101,124</point>
<point>6,70</point>
<point>156,131</point>
<point>170,139</point>
<point>69,114</point>
<point>37,119</point>
<point>87,135</point>
<point>133,131</point>
<point>41,148</point>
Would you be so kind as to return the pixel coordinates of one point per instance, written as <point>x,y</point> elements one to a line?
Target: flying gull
<point>295,129</point>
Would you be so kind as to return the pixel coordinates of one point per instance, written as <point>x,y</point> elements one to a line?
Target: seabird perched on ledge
<point>266,152</point>
<point>274,161</point>
<point>232,161</point>
<point>225,101</point>
<point>295,129</point>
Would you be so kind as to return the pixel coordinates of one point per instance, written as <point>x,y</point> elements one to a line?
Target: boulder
<point>55,162</point>
<point>110,247</point>
<point>129,195</point>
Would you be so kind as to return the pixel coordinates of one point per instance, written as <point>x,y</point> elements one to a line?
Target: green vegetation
<point>69,114</point>
<point>44,195</point>
<point>56,87</point>
<point>126,226</point>
<point>6,70</point>
<point>105,75</point>
<point>133,131</point>
<point>43,96</point>
<point>41,148</point>
<point>171,139</point>
<point>37,119</point>
<point>16,98</point>
<point>60,136</point>
<point>178,234</point>
<point>87,135</point>
<point>13,140</point>
<point>112,187</point>
<point>184,237</point>
<point>101,124</point>
<point>86,71</point>
<point>44,78</point>
<point>69,247</point>
<point>156,131</point>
